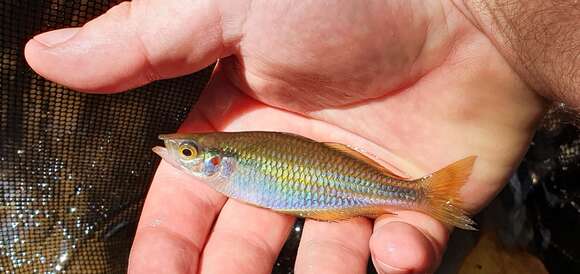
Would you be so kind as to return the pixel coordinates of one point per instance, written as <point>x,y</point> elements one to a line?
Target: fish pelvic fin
<point>442,193</point>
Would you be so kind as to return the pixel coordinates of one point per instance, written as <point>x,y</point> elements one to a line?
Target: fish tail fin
<point>442,193</point>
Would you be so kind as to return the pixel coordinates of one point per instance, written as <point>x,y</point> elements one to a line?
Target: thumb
<point>135,43</point>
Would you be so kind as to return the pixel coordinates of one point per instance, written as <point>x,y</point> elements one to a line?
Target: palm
<point>412,83</point>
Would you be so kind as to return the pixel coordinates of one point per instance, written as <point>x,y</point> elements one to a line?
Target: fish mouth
<point>161,151</point>
<point>166,156</point>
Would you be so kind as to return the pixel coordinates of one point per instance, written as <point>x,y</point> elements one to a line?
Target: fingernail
<point>383,268</point>
<point>55,37</point>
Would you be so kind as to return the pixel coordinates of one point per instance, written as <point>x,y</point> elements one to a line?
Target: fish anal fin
<point>376,215</point>
<point>330,215</point>
<point>361,157</point>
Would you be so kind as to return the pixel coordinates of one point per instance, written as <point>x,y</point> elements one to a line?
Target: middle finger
<point>334,247</point>
<point>245,239</point>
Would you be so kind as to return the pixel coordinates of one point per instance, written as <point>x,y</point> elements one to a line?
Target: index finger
<point>176,220</point>
<point>173,228</point>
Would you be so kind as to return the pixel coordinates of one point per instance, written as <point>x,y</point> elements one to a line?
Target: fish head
<point>188,153</point>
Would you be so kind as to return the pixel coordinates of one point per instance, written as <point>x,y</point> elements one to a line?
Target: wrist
<point>540,40</point>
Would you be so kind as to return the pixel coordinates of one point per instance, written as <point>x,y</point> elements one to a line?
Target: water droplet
<point>72,209</point>
<point>156,223</point>
<point>20,151</point>
<point>78,190</point>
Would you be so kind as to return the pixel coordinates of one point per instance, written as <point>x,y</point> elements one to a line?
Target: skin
<point>540,39</point>
<point>415,83</point>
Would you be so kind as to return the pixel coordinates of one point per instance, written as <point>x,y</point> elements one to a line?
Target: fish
<point>324,181</point>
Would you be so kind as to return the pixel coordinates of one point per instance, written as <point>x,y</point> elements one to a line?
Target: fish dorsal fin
<point>359,156</point>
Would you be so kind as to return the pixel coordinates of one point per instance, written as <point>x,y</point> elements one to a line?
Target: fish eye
<point>188,151</point>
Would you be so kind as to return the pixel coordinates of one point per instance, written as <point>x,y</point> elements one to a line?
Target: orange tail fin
<point>442,193</point>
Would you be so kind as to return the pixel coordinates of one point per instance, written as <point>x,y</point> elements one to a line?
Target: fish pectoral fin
<point>333,215</point>
<point>361,157</point>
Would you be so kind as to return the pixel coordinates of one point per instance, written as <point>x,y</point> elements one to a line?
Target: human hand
<point>412,82</point>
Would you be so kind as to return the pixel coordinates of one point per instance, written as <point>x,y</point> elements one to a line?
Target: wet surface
<point>552,168</point>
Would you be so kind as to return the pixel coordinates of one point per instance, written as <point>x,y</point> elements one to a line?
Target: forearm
<point>540,39</point>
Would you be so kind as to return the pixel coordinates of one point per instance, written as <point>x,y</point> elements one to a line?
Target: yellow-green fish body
<point>325,181</point>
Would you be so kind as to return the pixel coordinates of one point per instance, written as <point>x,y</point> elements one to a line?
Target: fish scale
<point>314,178</point>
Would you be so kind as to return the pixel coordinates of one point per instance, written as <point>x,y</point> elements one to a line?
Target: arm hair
<point>539,38</point>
